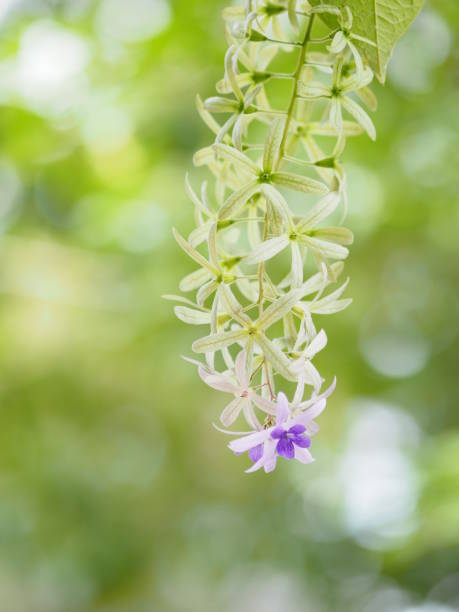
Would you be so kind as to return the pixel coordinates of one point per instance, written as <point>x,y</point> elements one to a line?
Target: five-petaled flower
<point>289,437</point>
<point>240,387</point>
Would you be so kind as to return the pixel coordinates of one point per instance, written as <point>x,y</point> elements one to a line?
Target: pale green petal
<point>359,115</point>
<point>232,306</point>
<point>272,144</point>
<point>327,308</point>
<point>357,80</point>
<point>275,220</point>
<point>336,115</point>
<point>194,280</point>
<point>313,90</point>
<point>338,42</point>
<point>217,104</point>
<point>205,291</point>
<point>199,234</point>
<point>204,156</point>
<point>296,273</point>
<point>206,116</point>
<point>316,282</point>
<point>194,198</point>
<point>191,316</point>
<point>340,235</point>
<point>231,74</point>
<point>178,298</point>
<point>212,245</point>
<point>215,342</point>
<point>238,159</point>
<point>368,98</point>
<point>277,200</point>
<point>298,183</point>
<point>193,253</point>
<point>328,129</point>
<point>238,200</point>
<point>279,308</point>
<point>276,357</point>
<point>267,249</point>
<point>224,86</point>
<point>324,208</point>
<point>325,248</point>
<point>231,411</point>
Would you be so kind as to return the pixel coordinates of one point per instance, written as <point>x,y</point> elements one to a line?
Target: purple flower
<point>287,438</point>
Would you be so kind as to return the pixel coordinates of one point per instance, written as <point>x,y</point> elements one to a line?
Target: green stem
<point>296,79</point>
<point>290,109</point>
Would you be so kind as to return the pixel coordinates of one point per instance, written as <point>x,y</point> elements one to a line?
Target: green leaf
<point>381,21</point>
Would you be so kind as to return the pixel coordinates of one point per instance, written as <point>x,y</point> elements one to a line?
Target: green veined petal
<point>340,235</point>
<point>276,357</point>
<point>238,159</point>
<point>298,183</point>
<point>279,308</point>
<point>325,207</point>
<point>191,316</point>
<point>267,249</point>
<point>359,115</point>
<point>325,248</point>
<point>194,280</point>
<point>217,104</point>
<point>238,200</point>
<point>193,253</point>
<point>232,307</point>
<point>215,342</point>
<point>272,144</point>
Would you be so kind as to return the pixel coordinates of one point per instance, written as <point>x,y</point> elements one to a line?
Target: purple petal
<point>269,456</point>
<point>297,429</point>
<point>285,448</point>
<point>256,453</point>
<point>277,433</point>
<point>302,441</point>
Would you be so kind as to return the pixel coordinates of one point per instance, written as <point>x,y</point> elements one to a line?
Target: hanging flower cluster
<point>269,262</point>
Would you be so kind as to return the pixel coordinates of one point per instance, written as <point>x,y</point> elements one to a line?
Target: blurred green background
<point>116,494</point>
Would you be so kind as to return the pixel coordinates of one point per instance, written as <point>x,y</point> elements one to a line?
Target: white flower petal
<point>231,411</point>
<point>241,369</point>
<point>303,455</point>
<point>241,445</point>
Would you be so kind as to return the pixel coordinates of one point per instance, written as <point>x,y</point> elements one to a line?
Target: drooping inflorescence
<point>268,257</point>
